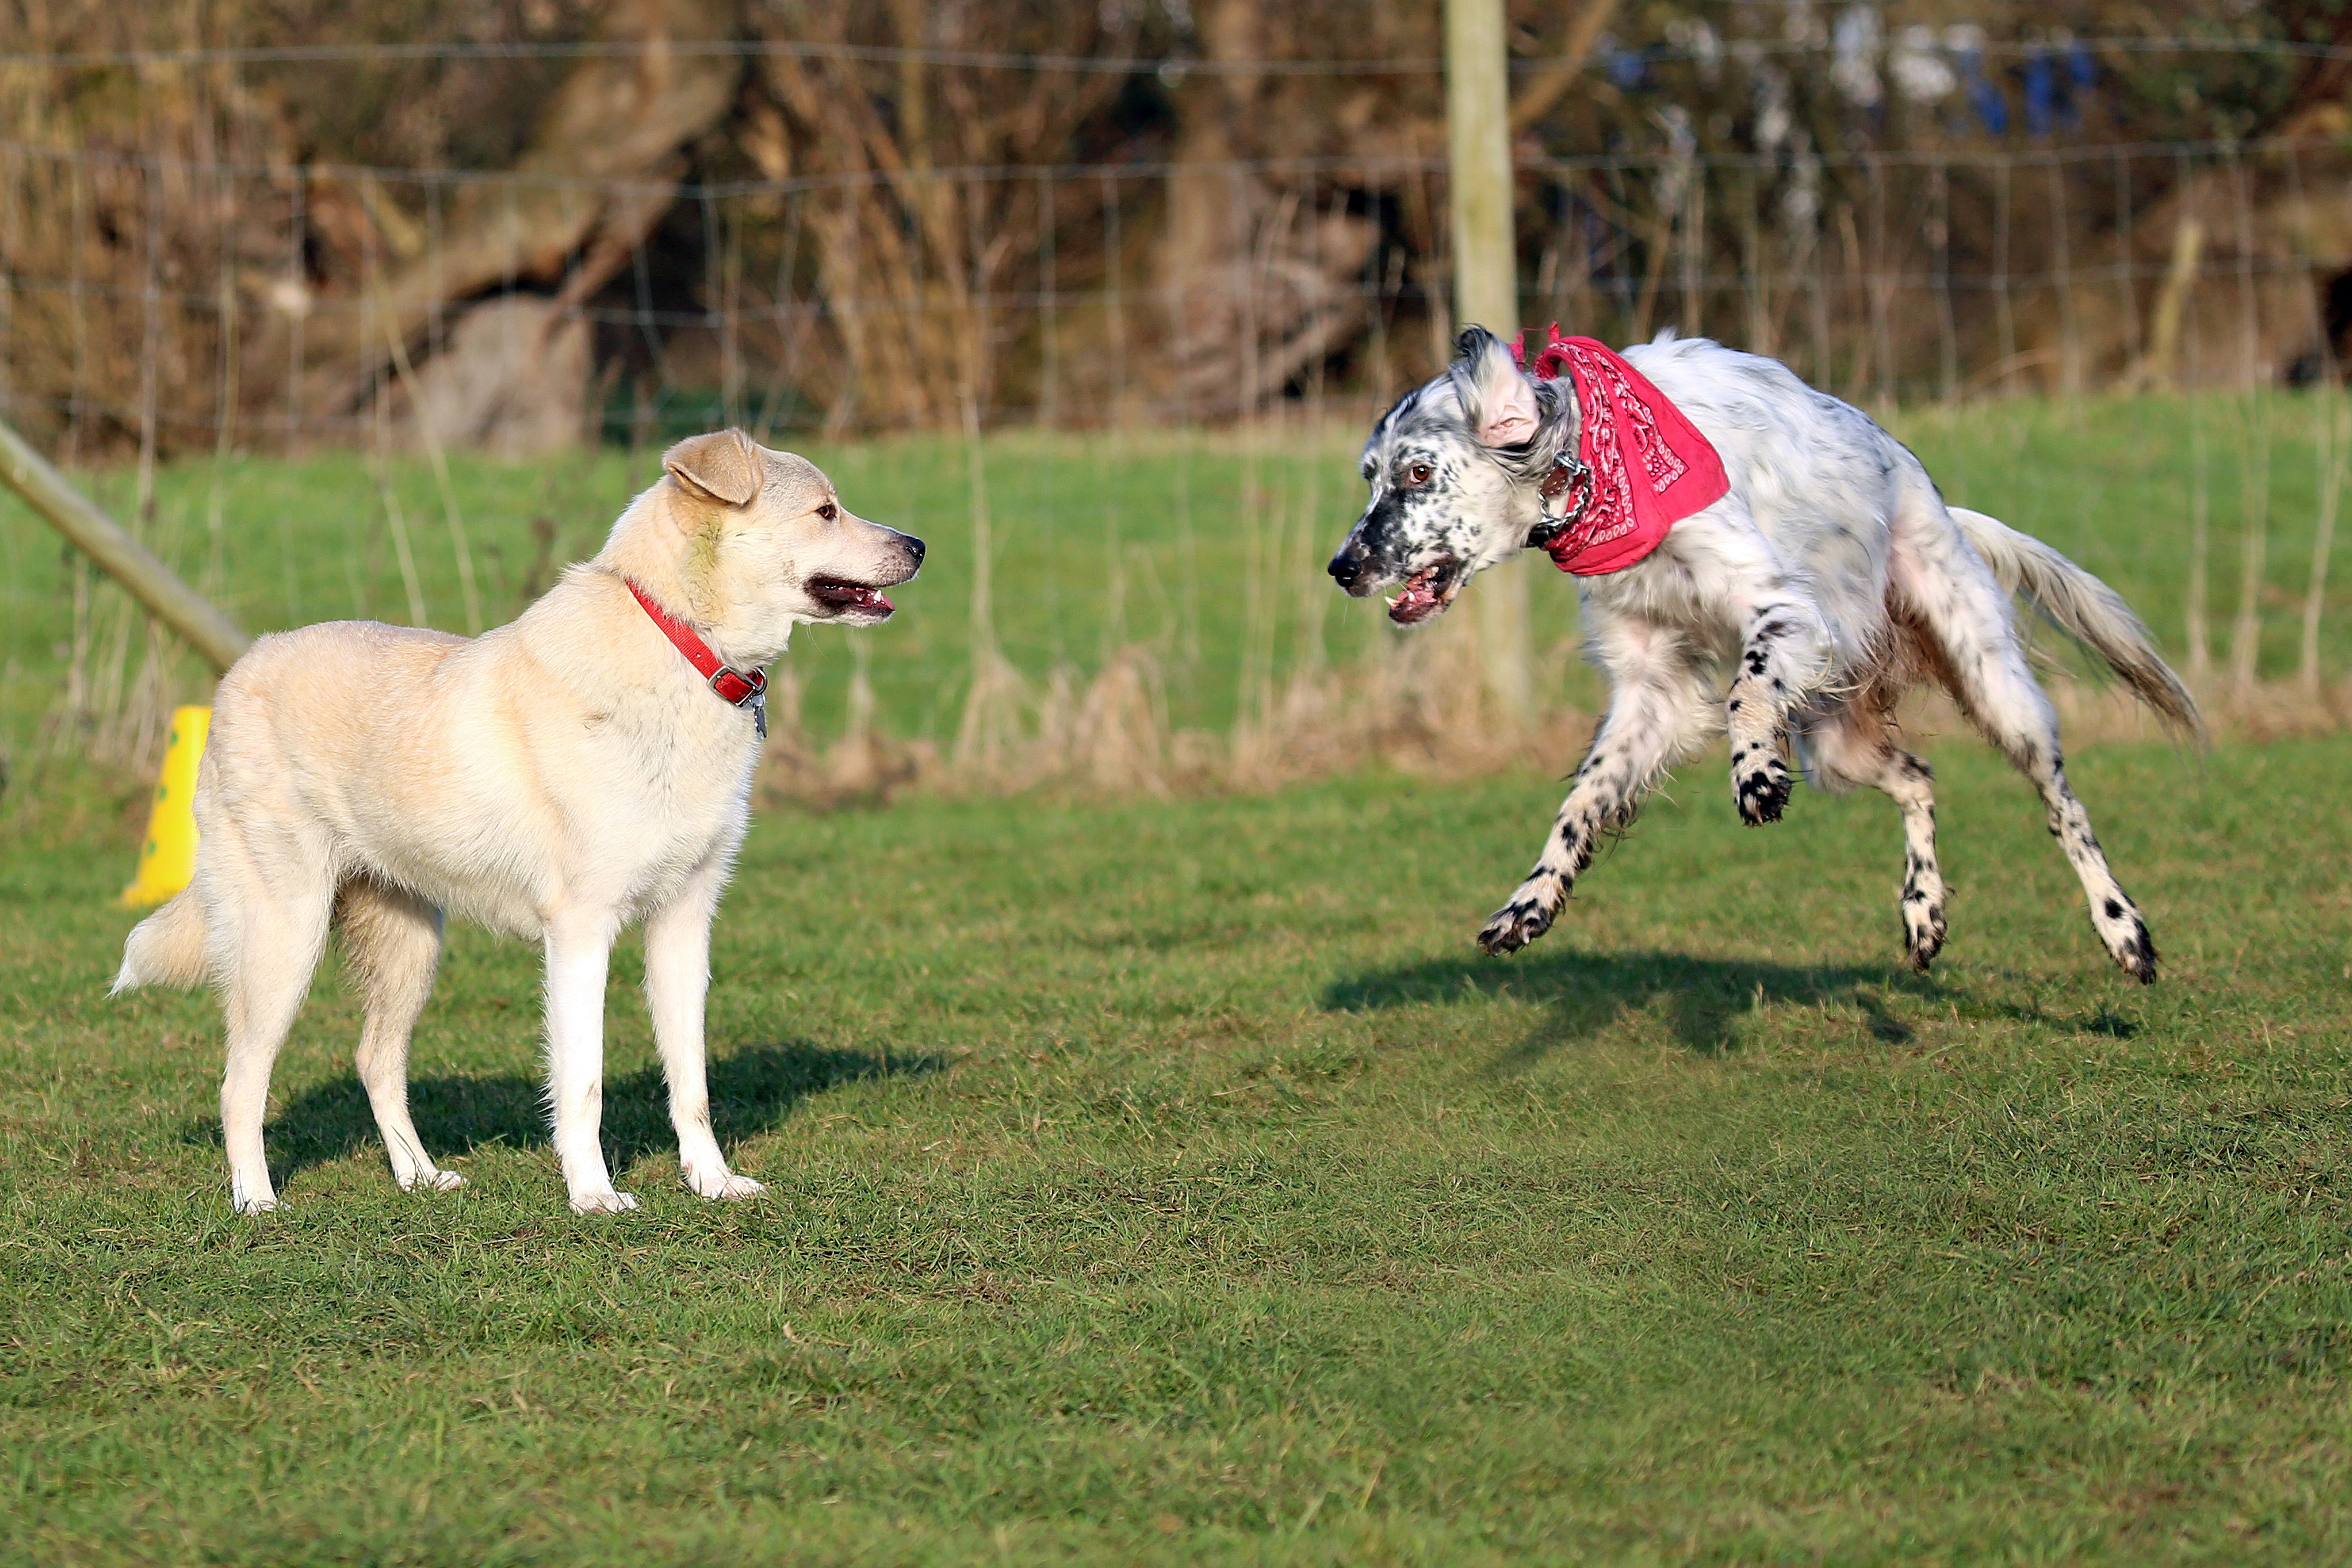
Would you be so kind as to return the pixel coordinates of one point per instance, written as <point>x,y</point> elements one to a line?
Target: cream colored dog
<point>554,779</point>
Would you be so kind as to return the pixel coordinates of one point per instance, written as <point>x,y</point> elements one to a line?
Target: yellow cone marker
<point>167,861</point>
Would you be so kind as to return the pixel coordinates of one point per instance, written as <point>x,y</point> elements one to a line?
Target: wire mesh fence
<point>286,306</point>
<point>176,309</point>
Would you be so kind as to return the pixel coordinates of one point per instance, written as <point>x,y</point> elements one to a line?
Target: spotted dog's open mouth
<point>853,598</point>
<point>1426,593</point>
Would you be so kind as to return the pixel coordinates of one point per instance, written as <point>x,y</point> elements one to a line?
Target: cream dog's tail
<point>2086,609</point>
<point>167,948</point>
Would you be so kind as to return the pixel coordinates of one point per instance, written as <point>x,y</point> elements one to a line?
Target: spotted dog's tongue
<point>1419,599</point>
<point>849,596</point>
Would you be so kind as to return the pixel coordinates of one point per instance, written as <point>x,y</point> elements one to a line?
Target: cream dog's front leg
<point>578,952</point>
<point>678,979</point>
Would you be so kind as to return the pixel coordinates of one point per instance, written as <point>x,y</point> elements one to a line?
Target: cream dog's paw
<point>607,1202</point>
<point>723,1183</point>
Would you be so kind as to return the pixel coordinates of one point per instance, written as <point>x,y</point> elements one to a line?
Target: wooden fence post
<point>1486,286</point>
<point>119,556</point>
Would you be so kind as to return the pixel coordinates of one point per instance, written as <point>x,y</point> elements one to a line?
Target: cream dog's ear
<point>723,466</point>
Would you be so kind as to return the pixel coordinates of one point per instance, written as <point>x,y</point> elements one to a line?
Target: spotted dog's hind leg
<point>1907,782</point>
<point>1855,746</point>
<point>1967,617</point>
<point>1779,655</point>
<point>1659,709</point>
<point>2122,929</point>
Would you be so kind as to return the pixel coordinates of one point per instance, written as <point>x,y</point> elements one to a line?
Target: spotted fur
<point>1790,615</point>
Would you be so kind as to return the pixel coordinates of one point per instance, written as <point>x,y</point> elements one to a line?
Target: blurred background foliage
<point>274,216</point>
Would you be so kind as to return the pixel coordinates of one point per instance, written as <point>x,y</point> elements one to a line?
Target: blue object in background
<point>1992,110</point>
<point>2081,75</point>
<point>1627,68</point>
<point>2040,95</point>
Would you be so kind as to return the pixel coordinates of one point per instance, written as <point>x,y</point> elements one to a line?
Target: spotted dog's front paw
<point>2125,936</point>
<point>1922,914</point>
<point>1923,933</point>
<point>1527,917</point>
<point>1760,785</point>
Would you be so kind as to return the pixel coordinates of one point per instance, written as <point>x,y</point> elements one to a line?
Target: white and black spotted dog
<point>1827,579</point>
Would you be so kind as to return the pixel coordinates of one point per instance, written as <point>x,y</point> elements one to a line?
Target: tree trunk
<point>602,169</point>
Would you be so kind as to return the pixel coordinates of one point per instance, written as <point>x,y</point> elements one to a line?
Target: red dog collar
<point>742,691</point>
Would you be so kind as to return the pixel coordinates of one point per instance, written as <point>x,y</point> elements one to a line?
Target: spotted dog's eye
<point>1418,474</point>
<point>828,511</point>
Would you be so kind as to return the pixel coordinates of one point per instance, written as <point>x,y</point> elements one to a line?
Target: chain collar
<point>1563,497</point>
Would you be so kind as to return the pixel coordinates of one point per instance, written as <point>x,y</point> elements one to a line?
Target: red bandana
<point>1645,467</point>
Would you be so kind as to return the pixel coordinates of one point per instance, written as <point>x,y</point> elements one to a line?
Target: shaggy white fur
<point>1797,609</point>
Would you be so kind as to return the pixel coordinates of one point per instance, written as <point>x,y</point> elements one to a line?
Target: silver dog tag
<point>759,714</point>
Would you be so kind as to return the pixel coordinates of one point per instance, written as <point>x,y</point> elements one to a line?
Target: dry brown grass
<point>1418,708</point>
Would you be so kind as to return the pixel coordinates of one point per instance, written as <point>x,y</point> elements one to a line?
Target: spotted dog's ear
<point>1495,393</point>
<point>723,466</point>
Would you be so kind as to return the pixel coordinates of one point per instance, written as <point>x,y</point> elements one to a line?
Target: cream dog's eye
<point>828,511</point>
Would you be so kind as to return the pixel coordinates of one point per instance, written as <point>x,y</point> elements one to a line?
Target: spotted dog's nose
<point>1348,566</point>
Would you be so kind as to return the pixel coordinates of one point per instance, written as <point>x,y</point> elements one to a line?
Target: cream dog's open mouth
<point>854,598</point>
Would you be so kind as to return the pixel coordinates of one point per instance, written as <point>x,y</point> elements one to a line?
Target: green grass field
<point>1173,1182</point>
<point>1170,1181</point>
<point>1205,551</point>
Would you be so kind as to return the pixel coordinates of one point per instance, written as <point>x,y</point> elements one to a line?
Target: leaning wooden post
<point>1486,284</point>
<point>118,555</point>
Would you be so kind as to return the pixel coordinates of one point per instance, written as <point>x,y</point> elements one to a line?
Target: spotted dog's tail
<point>2085,609</point>
<point>167,948</point>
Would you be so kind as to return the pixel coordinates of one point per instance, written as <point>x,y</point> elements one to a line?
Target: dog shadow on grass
<point>1701,1001</point>
<point>753,1091</point>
